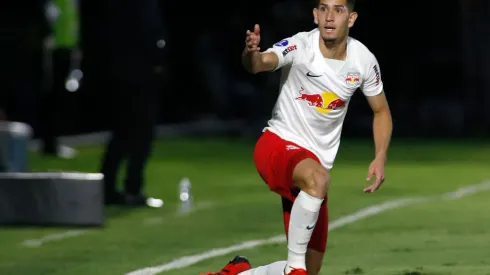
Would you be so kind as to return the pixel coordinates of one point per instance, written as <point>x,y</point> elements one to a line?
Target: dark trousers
<point>52,100</point>
<point>133,108</point>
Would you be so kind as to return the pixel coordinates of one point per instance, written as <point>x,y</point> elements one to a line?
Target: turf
<point>232,205</point>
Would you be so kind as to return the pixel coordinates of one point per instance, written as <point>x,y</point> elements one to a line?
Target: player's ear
<point>352,18</point>
<point>315,15</point>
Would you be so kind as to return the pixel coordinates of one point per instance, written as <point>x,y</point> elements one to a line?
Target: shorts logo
<point>289,49</point>
<point>291,147</point>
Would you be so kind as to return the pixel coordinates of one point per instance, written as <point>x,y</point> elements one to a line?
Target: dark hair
<point>351,4</point>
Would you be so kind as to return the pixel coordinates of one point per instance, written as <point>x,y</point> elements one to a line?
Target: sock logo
<point>310,227</point>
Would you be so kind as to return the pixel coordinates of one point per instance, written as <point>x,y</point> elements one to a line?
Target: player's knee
<point>315,182</point>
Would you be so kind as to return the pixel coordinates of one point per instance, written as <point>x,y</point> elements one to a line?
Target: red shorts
<point>275,160</point>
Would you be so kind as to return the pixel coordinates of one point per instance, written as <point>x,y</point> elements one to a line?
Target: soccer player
<point>320,71</point>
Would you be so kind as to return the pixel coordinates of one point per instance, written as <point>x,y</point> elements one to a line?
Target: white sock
<point>304,216</point>
<point>276,268</point>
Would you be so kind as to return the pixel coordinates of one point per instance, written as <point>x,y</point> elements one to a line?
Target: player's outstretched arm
<point>382,130</point>
<point>252,59</point>
<point>382,123</point>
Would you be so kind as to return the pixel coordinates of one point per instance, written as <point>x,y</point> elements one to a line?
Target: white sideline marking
<point>53,237</point>
<point>467,190</point>
<point>75,233</point>
<point>341,222</point>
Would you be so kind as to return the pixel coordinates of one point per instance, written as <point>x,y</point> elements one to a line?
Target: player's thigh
<point>275,160</point>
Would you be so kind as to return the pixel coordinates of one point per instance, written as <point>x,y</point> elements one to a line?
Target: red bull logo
<point>323,103</point>
<point>352,80</point>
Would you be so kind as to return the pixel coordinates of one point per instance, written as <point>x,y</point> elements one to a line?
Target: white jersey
<point>315,92</point>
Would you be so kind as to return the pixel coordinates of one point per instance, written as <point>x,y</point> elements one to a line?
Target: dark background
<point>434,58</point>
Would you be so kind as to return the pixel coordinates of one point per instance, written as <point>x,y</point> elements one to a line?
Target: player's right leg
<point>286,167</point>
<point>318,242</point>
<point>313,181</point>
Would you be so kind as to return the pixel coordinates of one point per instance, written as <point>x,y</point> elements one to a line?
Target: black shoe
<point>114,198</point>
<point>134,200</point>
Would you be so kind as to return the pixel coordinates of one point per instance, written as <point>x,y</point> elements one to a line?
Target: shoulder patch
<point>282,43</point>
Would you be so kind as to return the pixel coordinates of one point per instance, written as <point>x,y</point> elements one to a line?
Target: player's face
<point>334,19</point>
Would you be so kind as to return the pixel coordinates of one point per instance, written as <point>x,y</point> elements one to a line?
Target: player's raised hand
<point>253,39</point>
<point>376,169</point>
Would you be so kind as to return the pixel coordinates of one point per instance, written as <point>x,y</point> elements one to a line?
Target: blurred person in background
<point>61,57</point>
<point>136,41</point>
<point>25,71</point>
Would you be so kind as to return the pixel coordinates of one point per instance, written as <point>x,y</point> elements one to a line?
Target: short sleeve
<point>286,50</point>
<point>372,84</point>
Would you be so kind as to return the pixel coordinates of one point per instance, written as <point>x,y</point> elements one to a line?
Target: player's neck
<point>334,49</point>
